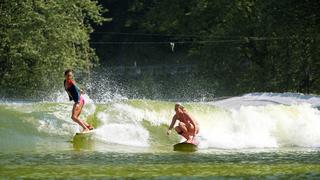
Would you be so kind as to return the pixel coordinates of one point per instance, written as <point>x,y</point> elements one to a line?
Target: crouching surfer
<point>188,127</point>
<point>75,94</point>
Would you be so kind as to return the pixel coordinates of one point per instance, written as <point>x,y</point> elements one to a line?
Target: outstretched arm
<point>173,122</point>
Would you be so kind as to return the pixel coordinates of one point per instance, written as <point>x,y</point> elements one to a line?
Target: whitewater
<point>251,121</point>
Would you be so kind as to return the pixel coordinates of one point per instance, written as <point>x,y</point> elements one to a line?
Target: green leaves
<point>257,45</point>
<point>40,39</point>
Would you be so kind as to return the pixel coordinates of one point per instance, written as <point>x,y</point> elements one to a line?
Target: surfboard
<point>85,133</point>
<point>185,147</point>
<point>83,140</point>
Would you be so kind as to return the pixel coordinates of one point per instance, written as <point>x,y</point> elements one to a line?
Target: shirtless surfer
<point>75,94</point>
<point>188,127</point>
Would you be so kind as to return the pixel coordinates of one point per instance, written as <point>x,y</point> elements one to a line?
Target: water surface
<point>254,136</point>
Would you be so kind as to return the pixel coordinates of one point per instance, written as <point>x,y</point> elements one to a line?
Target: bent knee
<point>74,118</point>
<point>178,130</point>
<point>182,124</point>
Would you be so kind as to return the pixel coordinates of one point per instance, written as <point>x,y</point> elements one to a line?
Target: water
<point>255,135</point>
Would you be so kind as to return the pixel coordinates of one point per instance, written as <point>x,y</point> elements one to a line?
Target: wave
<point>262,99</point>
<point>257,120</point>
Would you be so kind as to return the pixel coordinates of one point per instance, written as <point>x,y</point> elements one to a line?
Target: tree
<point>244,45</point>
<point>40,39</point>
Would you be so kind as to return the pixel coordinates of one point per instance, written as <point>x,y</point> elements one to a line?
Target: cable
<point>188,42</point>
<point>147,34</point>
<point>165,35</point>
<point>181,35</point>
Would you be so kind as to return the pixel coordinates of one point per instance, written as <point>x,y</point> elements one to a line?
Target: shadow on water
<point>83,142</point>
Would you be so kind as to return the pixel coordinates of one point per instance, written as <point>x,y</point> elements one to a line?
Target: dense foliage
<point>40,39</point>
<point>240,45</point>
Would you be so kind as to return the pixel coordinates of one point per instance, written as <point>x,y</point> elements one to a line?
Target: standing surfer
<point>75,94</point>
<point>188,127</point>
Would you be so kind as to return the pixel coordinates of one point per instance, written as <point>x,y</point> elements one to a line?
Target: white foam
<point>123,124</point>
<point>61,122</point>
<point>262,99</point>
<point>268,126</point>
<point>59,97</point>
<point>263,121</point>
<point>124,133</point>
<point>262,127</point>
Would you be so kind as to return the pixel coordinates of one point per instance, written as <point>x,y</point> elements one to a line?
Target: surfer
<point>187,127</point>
<point>75,94</point>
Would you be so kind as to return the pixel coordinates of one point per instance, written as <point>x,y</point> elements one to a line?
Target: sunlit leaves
<point>40,39</point>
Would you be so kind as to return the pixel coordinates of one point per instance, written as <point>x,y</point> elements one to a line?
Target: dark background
<point>221,48</point>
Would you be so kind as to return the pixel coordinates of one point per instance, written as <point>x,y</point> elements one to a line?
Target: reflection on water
<point>283,163</point>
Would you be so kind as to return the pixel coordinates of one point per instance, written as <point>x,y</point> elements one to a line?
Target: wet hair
<point>67,71</point>
<point>180,106</point>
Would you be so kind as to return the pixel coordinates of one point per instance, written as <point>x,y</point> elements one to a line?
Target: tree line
<point>239,46</point>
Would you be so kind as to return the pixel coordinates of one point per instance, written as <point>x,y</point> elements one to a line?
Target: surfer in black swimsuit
<point>76,95</point>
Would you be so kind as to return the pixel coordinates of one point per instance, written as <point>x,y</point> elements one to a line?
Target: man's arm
<point>173,122</point>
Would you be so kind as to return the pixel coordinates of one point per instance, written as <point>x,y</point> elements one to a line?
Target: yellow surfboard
<point>185,147</point>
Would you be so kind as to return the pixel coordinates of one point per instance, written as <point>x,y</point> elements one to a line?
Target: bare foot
<point>89,127</point>
<point>192,140</point>
<point>85,130</point>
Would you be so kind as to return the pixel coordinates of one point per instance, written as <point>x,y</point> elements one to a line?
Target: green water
<point>130,142</point>
<point>167,165</point>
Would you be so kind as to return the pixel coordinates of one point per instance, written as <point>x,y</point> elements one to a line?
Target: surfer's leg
<point>182,127</point>
<point>178,130</point>
<point>75,116</point>
<point>190,131</point>
<point>80,111</point>
<point>81,104</point>
<point>182,130</point>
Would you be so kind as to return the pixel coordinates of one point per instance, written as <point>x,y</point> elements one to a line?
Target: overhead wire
<point>188,42</point>
<point>182,35</point>
<point>216,39</point>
